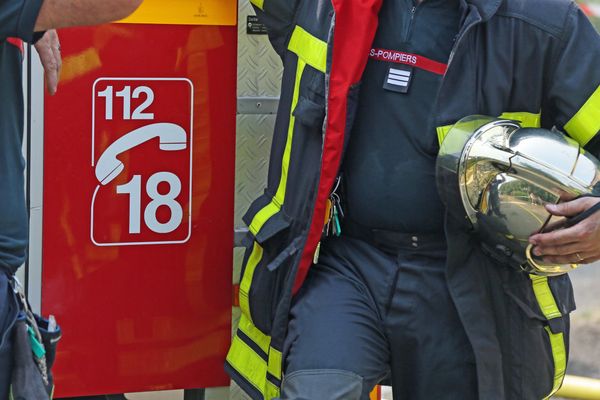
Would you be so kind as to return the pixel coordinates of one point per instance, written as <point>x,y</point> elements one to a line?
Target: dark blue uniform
<point>390,166</point>
<point>377,305</point>
<point>531,60</point>
<point>17,19</point>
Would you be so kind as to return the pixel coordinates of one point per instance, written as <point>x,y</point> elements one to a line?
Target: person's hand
<point>579,244</point>
<point>48,47</point>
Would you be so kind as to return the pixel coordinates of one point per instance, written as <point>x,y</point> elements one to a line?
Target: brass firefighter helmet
<point>498,176</point>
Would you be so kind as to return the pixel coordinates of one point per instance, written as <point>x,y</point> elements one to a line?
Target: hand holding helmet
<point>514,186</point>
<point>579,243</point>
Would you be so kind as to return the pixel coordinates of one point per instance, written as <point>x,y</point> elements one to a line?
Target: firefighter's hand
<point>48,47</point>
<point>578,244</point>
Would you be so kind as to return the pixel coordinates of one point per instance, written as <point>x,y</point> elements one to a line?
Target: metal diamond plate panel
<point>254,135</point>
<point>259,67</point>
<point>253,144</point>
<point>259,75</point>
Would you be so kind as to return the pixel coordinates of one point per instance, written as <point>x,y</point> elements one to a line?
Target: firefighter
<point>26,20</point>
<point>354,270</point>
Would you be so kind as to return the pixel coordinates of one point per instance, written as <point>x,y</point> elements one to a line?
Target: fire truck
<point>138,173</point>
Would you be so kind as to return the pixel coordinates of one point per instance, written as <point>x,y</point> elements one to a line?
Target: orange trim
<point>376,393</point>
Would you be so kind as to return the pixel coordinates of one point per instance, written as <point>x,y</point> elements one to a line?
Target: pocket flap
<point>265,219</point>
<point>524,296</point>
<point>563,293</point>
<point>309,113</point>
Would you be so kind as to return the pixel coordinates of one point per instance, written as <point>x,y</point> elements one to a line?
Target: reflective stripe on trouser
<point>547,303</point>
<point>377,315</point>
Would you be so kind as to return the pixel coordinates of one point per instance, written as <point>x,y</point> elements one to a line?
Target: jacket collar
<point>484,9</point>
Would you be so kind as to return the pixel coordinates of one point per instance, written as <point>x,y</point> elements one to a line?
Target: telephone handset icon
<point>171,137</point>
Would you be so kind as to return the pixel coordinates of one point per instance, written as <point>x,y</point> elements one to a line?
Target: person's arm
<point>62,13</point>
<point>573,84</point>
<point>21,18</point>
<point>573,93</point>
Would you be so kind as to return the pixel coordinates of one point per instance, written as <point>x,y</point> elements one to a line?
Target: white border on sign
<point>191,162</point>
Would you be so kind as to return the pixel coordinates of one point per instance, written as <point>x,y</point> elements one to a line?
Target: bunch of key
<point>334,212</point>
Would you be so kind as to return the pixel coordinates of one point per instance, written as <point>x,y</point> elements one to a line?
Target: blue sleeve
<point>18,17</point>
<point>574,87</point>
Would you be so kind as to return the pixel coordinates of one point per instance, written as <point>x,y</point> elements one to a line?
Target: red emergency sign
<point>137,241</point>
<point>142,146</point>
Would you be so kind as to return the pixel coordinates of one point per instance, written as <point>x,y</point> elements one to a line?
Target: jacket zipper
<point>450,59</point>
<point>457,44</point>
<point>408,32</point>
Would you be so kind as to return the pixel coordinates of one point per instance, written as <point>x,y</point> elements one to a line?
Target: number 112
<point>126,94</point>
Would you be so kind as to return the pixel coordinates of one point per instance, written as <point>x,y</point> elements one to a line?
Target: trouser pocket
<point>262,282</point>
<point>538,329</point>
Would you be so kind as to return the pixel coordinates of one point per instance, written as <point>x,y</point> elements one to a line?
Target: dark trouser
<point>365,314</point>
<point>8,316</point>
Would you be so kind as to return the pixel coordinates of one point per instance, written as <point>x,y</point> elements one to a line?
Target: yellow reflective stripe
<point>253,260</point>
<point>549,308</point>
<point>442,131</point>
<point>263,341</point>
<point>275,363</point>
<point>251,365</point>
<point>272,391</point>
<point>586,122</point>
<point>559,355</point>
<point>309,48</point>
<point>258,3</point>
<point>275,205</point>
<point>310,51</point>
<point>248,364</point>
<point>544,296</point>
<point>527,120</point>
